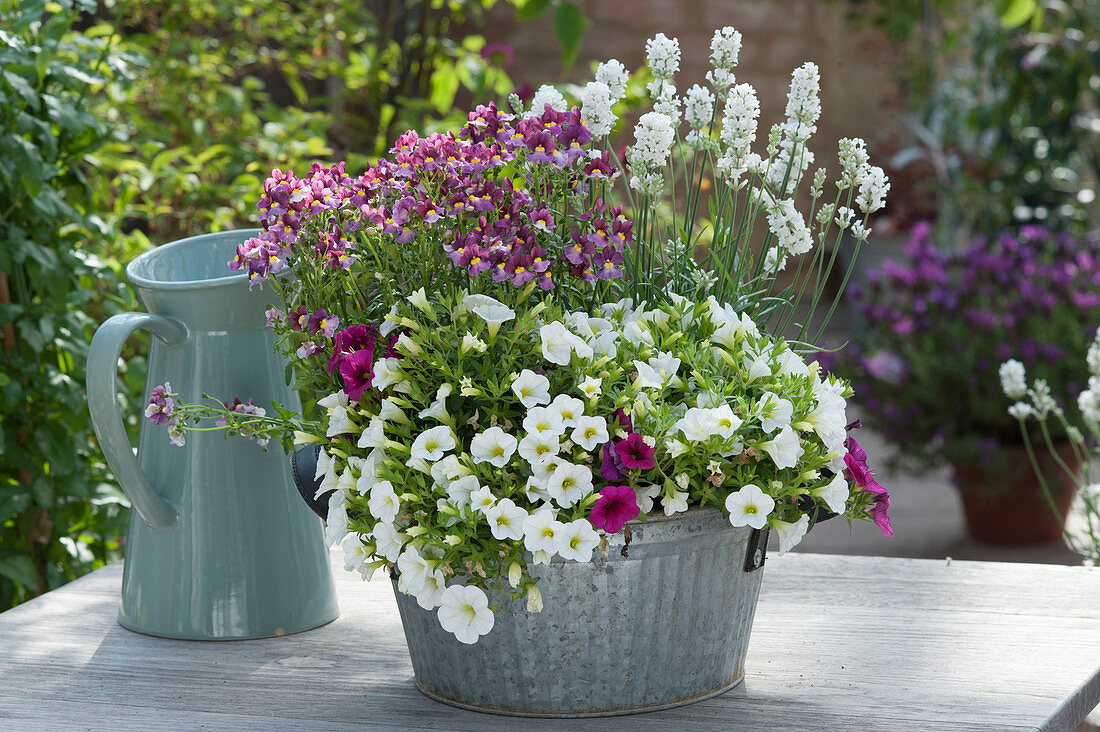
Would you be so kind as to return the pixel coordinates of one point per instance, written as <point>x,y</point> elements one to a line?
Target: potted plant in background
<point>937,327</point>
<point>527,387</point>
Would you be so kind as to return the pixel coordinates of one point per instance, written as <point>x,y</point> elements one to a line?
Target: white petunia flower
<point>614,75</point>
<point>590,387</point>
<point>461,490</point>
<point>1013,379</point>
<point>775,412</point>
<point>535,491</point>
<point>506,519</point>
<point>547,94</point>
<point>336,399</point>
<point>759,365</point>
<point>590,432</point>
<point>390,412</point>
<point>569,483</point>
<point>568,410</point>
<point>559,344</point>
<point>419,300</point>
<point>493,446</point>
<point>749,506</point>
<point>493,314</point>
<point>482,499</point>
<point>726,423</point>
<point>784,449</point>
<point>339,422</point>
<point>676,503</point>
<point>336,523</point>
<point>790,534</point>
<point>464,612</point>
<point>645,496</point>
<point>544,421</point>
<point>324,462</point>
<point>696,424</point>
<point>447,470</point>
<point>539,531</point>
<point>433,443</point>
<point>356,557</point>
<point>539,447</point>
<point>637,334</point>
<point>576,540</point>
<point>387,373</point>
<point>387,540</point>
<point>531,388</point>
<point>374,436</point>
<point>834,493</point>
<point>383,503</point>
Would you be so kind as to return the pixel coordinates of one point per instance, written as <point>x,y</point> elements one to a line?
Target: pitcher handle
<point>102,369</point>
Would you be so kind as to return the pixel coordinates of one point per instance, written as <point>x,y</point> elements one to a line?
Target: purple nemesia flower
<point>299,318</point>
<point>161,406</point>
<point>635,453</point>
<point>274,315</point>
<point>616,505</point>
<point>307,349</point>
<point>314,321</point>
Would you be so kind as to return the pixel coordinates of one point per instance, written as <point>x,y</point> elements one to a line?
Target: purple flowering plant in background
<point>938,325</point>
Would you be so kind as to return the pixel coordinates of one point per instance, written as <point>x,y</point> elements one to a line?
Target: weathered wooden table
<point>839,643</point>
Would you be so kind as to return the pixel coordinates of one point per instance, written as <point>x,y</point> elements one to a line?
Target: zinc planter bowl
<point>660,621</point>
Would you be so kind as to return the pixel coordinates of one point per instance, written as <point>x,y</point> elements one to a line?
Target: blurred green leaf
<point>569,27</point>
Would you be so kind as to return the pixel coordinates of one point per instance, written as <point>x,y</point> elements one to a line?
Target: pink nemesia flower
<point>616,505</point>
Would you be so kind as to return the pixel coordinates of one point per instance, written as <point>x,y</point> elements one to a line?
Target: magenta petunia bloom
<point>855,460</point>
<point>357,370</point>
<point>635,453</point>
<point>616,505</point>
<point>349,340</point>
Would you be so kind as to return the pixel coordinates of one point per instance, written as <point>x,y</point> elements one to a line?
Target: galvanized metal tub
<point>664,623</point>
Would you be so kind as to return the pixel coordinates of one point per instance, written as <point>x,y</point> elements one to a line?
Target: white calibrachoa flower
<point>357,557</point>
<point>775,412</point>
<point>569,484</point>
<point>531,388</point>
<point>834,493</point>
<point>387,373</point>
<point>374,436</point>
<point>544,421</point>
<point>568,409</point>
<point>540,530</point>
<point>433,443</point>
<point>340,422</point>
<point>676,502</point>
<point>559,344</point>
<point>590,432</point>
<point>790,534</point>
<point>538,447</point>
<point>464,611</point>
<point>506,519</point>
<point>784,449</point>
<point>590,387</point>
<point>461,490</point>
<point>749,506</point>
<point>576,540</point>
<point>383,503</point>
<point>493,446</point>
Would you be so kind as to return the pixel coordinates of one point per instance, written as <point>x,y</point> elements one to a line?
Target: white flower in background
<point>493,446</point>
<point>339,422</point>
<point>844,217</point>
<point>567,408</point>
<point>726,423</point>
<point>482,499</point>
<point>547,94</point>
<point>1021,410</point>
<point>739,123</point>
<point>537,447</point>
<point>494,316</point>
<point>531,388</point>
<point>336,523</point>
<point>749,506</point>
<point>725,47</point>
<point>569,483</point>
<point>464,611</point>
<point>433,443</point>
<point>544,421</point>
<point>387,540</point>
<point>590,387</point>
<point>1092,358</point>
<point>675,503</point>
<point>1044,403</point>
<point>784,449</point>
<point>470,341</point>
<point>1088,401</point>
<point>860,231</point>
<point>1013,379</point>
<point>356,557</point>
<point>792,235</point>
<point>852,153</point>
<point>576,540</point>
<point>645,496</point>
<point>461,490</point>
<point>615,76</point>
<point>834,493</point>
<point>506,519</point>
<point>383,503</point>
<point>637,334</point>
<point>759,365</point>
<point>775,412</point>
<point>873,187</point>
<point>390,412</point>
<point>803,102</point>
<point>663,56</point>
<point>596,103</point>
<point>590,432</point>
<point>790,534</point>
<point>374,436</point>
<point>698,107</point>
<point>653,135</point>
<point>791,364</point>
<point>559,343</point>
<point>387,372</point>
<point>540,530</point>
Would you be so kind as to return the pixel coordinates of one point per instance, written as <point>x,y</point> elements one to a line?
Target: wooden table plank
<point>951,646</point>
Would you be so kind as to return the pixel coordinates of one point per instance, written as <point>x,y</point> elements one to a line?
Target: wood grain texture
<point>839,643</point>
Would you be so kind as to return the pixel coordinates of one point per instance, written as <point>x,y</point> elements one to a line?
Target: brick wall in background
<point>859,94</point>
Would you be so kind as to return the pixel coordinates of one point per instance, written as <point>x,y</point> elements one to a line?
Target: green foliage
<point>59,517</point>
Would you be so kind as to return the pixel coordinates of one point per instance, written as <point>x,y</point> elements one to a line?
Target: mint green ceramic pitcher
<point>220,545</point>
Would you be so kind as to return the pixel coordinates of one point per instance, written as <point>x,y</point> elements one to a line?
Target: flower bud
<point>534,599</point>
<point>515,574</point>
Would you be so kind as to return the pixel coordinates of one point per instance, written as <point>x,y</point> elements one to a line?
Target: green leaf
<point>19,568</point>
<point>569,27</point>
<point>531,9</point>
<point>22,87</point>
<point>1017,12</point>
<point>444,88</point>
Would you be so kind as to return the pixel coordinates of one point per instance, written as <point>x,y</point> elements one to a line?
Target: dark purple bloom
<point>161,407</point>
<point>352,339</point>
<point>635,453</point>
<point>612,467</point>
<point>616,505</point>
<point>357,370</point>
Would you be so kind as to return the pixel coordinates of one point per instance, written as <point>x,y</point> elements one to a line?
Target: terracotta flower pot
<point>1006,504</point>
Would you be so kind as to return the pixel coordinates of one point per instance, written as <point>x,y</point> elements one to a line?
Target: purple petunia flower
<point>616,505</point>
<point>357,370</point>
<point>635,453</point>
<point>612,467</point>
<point>349,340</point>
